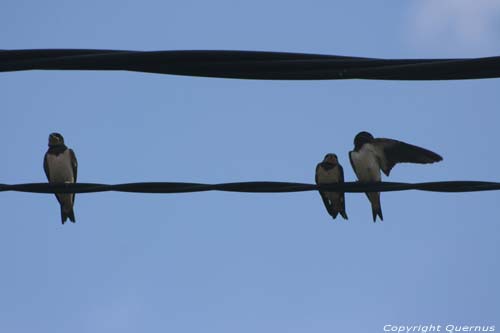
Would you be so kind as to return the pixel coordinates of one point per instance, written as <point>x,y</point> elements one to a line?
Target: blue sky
<point>228,262</point>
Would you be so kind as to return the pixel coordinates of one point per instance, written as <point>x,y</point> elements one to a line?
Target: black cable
<point>252,187</point>
<point>251,64</point>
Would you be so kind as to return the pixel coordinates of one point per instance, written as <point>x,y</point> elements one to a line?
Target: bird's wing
<point>390,152</point>
<point>46,167</point>
<point>74,163</point>
<point>341,181</point>
<point>74,166</point>
<point>341,173</point>
<point>316,174</point>
<point>47,173</point>
<point>326,202</point>
<point>352,164</point>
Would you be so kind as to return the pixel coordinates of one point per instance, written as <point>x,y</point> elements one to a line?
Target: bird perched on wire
<point>60,166</point>
<point>330,172</point>
<point>370,155</point>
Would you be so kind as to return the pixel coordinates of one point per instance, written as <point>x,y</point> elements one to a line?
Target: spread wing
<point>391,152</point>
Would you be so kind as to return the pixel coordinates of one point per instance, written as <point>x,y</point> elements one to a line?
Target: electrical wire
<point>252,187</point>
<point>250,64</point>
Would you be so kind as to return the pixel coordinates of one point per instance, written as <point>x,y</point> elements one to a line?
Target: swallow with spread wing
<point>370,155</point>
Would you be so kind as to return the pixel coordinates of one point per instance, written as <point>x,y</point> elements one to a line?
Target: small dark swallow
<point>370,155</point>
<point>60,166</point>
<point>330,172</point>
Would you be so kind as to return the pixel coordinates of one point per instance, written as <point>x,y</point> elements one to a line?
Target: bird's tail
<point>374,198</point>
<point>67,213</point>
<point>66,202</point>
<point>338,205</point>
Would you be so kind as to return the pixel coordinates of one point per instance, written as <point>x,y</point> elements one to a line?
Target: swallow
<point>371,155</point>
<point>60,166</point>
<point>330,172</point>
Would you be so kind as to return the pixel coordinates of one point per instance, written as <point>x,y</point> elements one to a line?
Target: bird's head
<point>55,139</point>
<point>362,138</point>
<point>331,159</point>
